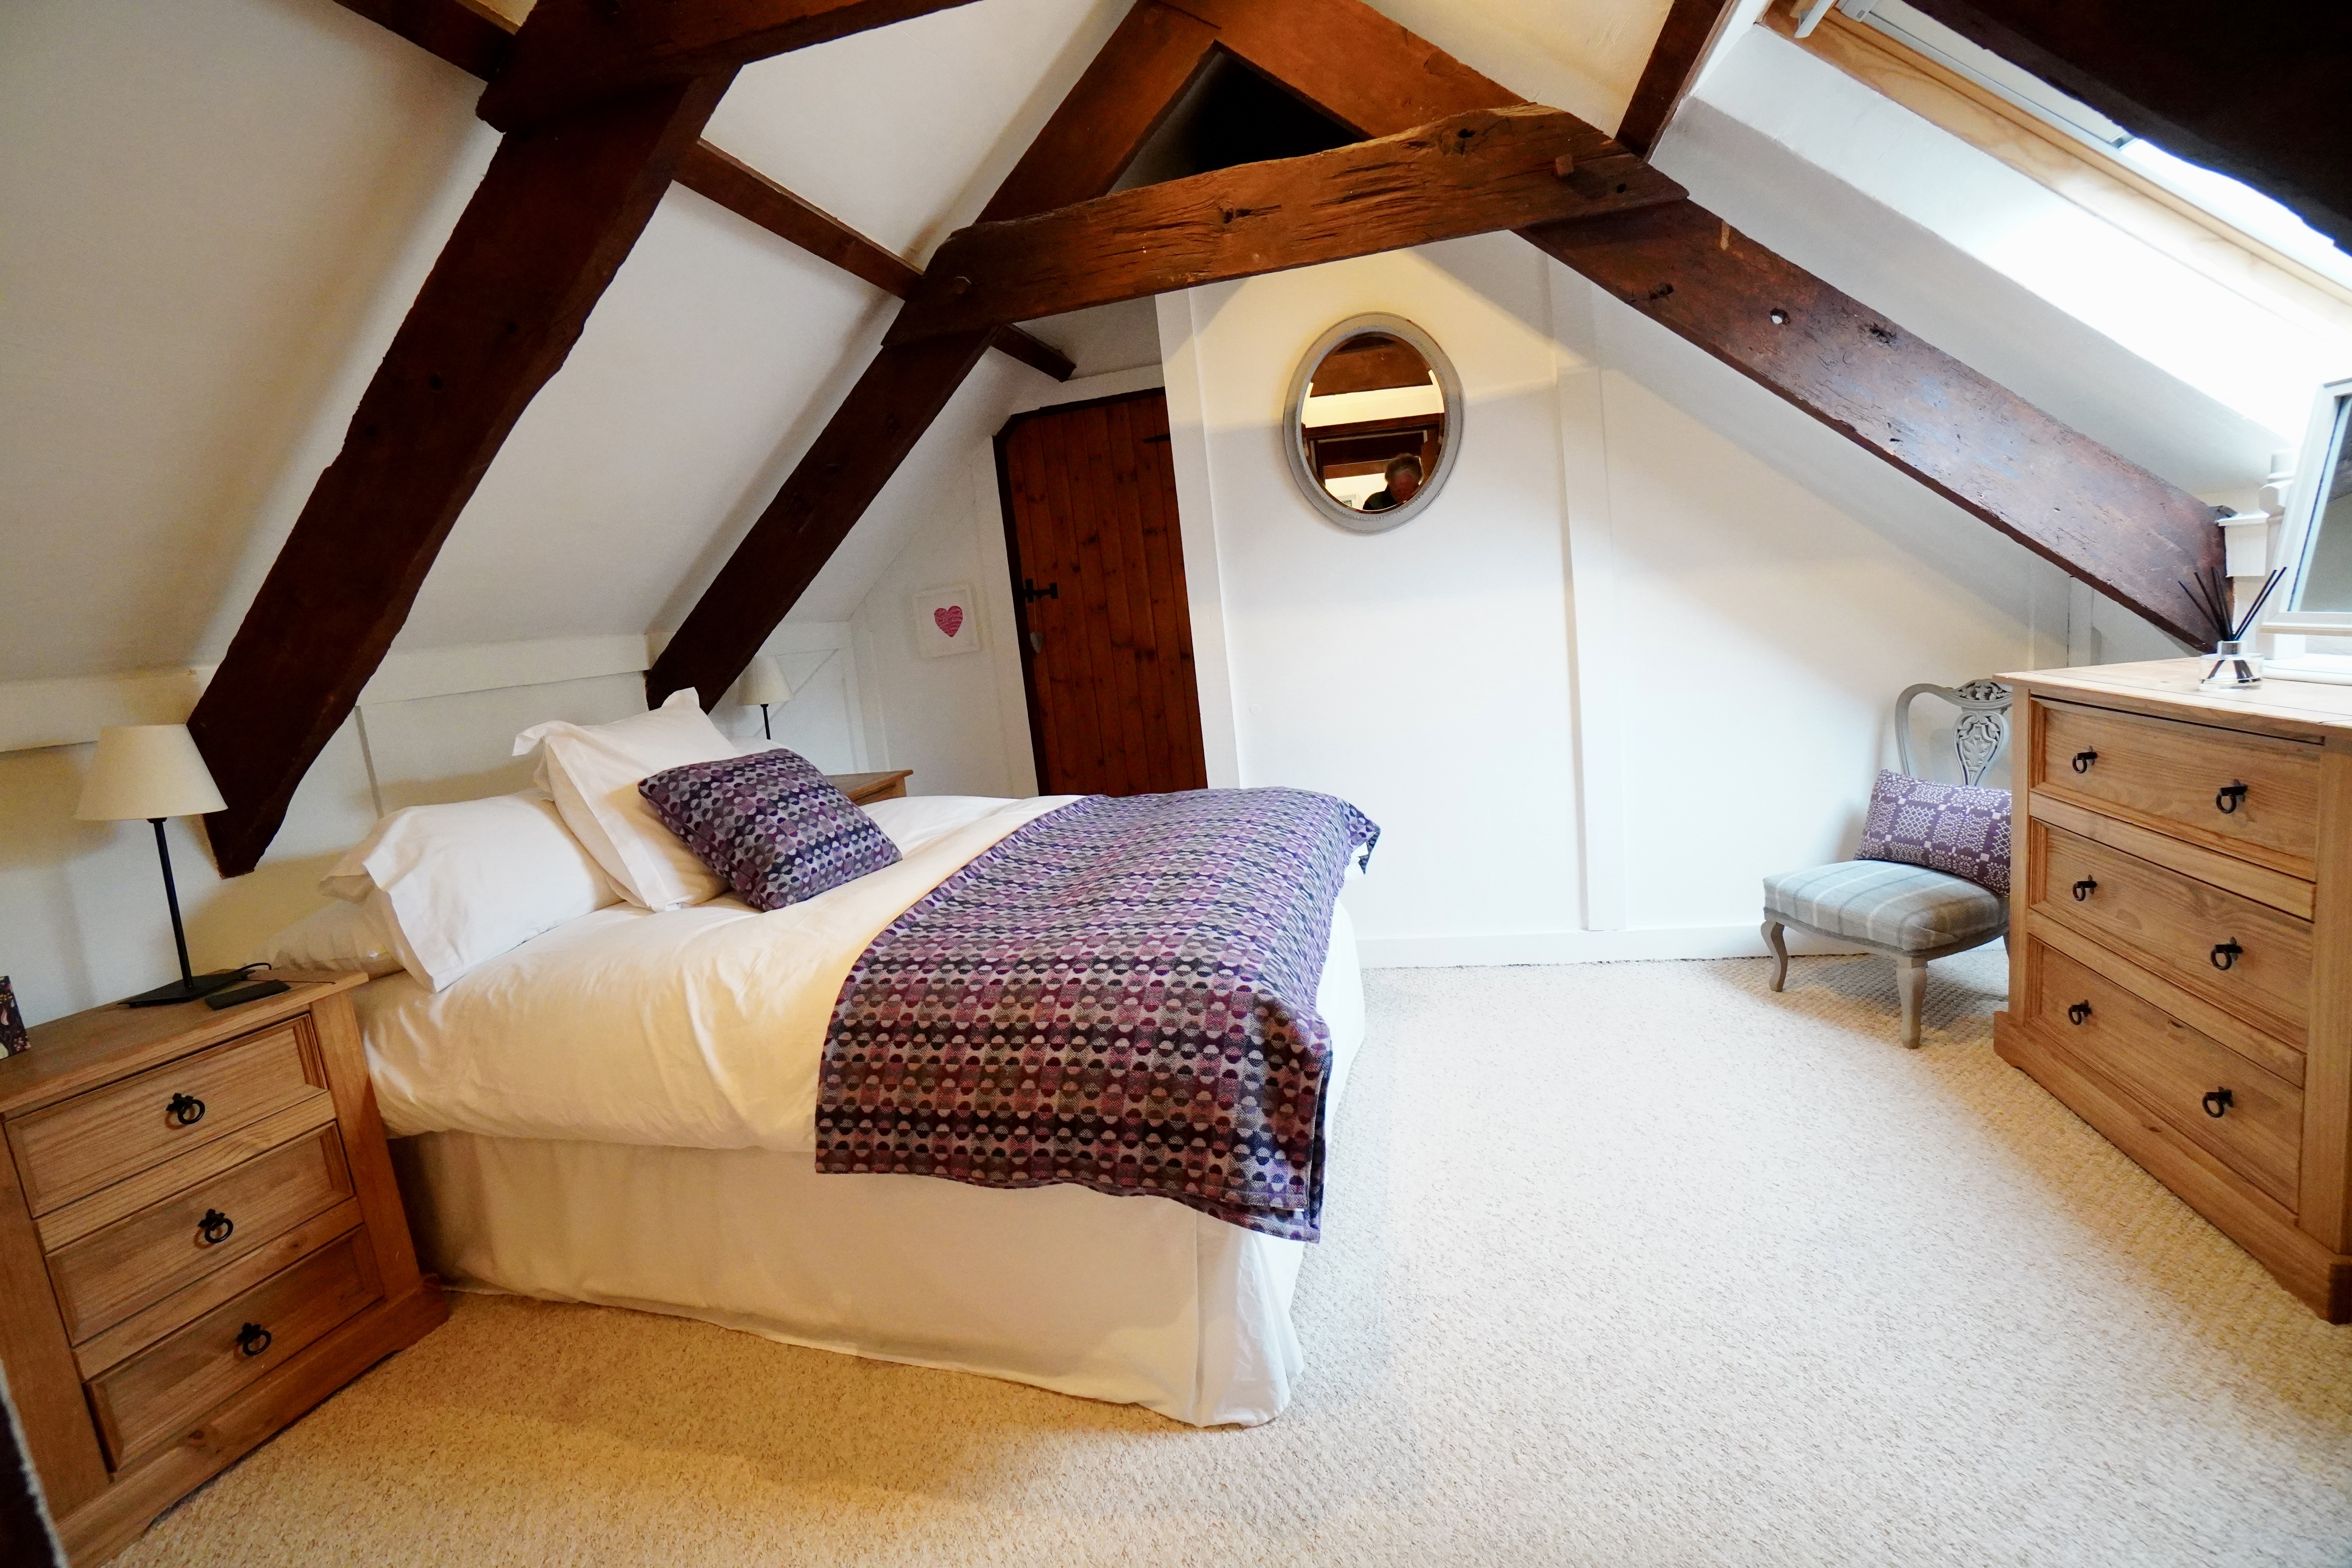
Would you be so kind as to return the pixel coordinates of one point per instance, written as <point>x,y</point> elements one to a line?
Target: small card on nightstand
<point>12,1038</point>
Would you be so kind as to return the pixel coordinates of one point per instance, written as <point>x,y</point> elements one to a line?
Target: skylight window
<point>2234,203</point>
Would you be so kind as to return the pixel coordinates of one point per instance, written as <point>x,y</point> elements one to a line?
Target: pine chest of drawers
<point>200,1239</point>
<point>2182,905</point>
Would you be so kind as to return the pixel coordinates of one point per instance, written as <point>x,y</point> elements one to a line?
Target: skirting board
<point>1579,946</point>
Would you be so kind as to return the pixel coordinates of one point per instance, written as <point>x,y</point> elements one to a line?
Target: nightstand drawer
<point>2180,777</point>
<point>148,1399</point>
<point>111,1273</point>
<point>92,1139</point>
<point>2180,1074</point>
<point>2242,956</point>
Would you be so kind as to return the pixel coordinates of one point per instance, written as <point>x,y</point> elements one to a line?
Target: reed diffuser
<point>2236,665</point>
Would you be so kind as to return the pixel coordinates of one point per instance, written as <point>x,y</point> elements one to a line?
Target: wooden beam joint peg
<point>1563,166</point>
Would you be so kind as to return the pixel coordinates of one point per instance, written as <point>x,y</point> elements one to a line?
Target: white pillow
<point>467,881</point>
<point>593,770</point>
<point>341,936</point>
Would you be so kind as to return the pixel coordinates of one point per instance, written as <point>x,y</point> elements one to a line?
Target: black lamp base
<point>186,990</point>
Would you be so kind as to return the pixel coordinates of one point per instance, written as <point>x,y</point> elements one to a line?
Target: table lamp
<point>764,683</point>
<point>154,770</point>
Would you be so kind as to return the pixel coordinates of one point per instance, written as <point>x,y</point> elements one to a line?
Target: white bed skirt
<point>1137,1300</point>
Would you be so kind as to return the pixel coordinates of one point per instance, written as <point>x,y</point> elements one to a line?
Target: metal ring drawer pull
<point>2226,953</point>
<point>2085,889</point>
<point>2218,1101</point>
<point>185,1110</point>
<point>2078,1012</point>
<point>2229,797</point>
<point>215,1227</point>
<point>253,1339</point>
<point>2082,761</point>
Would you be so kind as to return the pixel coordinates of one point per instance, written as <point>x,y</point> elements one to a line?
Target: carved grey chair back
<point>1982,731</point>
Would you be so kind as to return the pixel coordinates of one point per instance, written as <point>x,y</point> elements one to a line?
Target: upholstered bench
<point>1909,912</point>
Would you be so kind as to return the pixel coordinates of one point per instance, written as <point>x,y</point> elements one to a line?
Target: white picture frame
<point>947,621</point>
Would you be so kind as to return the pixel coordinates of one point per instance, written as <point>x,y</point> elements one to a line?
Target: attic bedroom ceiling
<point>709,365</point>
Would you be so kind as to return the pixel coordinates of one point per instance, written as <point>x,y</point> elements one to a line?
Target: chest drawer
<point>145,1256</point>
<point>2182,1075</point>
<point>2183,929</point>
<point>66,1150</point>
<point>2182,777</point>
<point>145,1402</point>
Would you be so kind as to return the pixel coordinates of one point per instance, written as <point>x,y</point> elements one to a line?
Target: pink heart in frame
<point>949,618</point>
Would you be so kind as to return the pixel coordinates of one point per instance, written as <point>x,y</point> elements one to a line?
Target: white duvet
<point>700,1028</point>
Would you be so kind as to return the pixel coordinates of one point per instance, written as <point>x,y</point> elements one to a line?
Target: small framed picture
<point>12,1038</point>
<point>946,622</point>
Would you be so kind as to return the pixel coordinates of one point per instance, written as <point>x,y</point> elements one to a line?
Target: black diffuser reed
<point>2211,598</point>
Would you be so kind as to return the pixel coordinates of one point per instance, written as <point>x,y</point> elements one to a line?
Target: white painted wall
<point>1621,669</point>
<point>82,917</point>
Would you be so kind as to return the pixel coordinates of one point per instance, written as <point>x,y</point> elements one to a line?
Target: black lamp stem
<point>171,896</point>
<point>765,733</point>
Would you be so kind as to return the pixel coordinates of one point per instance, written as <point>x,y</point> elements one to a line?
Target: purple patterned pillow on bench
<point>1962,829</point>
<point>773,827</point>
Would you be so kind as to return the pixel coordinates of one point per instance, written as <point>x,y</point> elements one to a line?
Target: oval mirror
<point>1375,417</point>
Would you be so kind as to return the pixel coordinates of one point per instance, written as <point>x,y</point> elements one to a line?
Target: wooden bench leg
<point>1773,940</point>
<point>1911,986</point>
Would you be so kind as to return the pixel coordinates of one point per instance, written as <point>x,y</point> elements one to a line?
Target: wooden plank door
<point>1089,496</point>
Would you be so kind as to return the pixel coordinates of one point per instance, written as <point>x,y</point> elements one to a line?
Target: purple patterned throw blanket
<point>1119,995</point>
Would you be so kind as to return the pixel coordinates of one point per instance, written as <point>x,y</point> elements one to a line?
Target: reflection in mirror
<point>2327,556</point>
<point>1372,424</point>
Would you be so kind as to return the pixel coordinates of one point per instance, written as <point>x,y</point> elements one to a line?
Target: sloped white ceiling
<point>200,199</point>
<point>217,211</point>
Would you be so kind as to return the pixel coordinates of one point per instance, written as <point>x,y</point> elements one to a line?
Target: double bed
<point>624,1110</point>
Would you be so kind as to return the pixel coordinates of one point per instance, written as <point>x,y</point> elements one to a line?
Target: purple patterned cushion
<point>773,827</point>
<point>1962,829</point>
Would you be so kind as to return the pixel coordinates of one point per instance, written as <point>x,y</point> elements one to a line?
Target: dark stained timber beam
<point>1688,37</point>
<point>860,448</point>
<point>554,218</point>
<point>2102,519</point>
<point>2062,495</point>
<point>751,194</point>
<point>1086,145</point>
<point>573,53</point>
<point>1122,97</point>
<point>471,41</point>
<point>1468,173</point>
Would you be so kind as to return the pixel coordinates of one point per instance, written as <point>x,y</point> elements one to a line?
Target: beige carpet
<point>1628,1264</point>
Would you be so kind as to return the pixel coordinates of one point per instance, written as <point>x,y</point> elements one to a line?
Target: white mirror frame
<point>2306,491</point>
<point>1449,385</point>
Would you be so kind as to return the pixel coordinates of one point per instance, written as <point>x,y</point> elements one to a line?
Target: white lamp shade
<point>147,770</point>
<point>763,684</point>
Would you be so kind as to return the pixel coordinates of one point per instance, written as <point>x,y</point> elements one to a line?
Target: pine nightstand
<point>200,1239</point>
<point>862,788</point>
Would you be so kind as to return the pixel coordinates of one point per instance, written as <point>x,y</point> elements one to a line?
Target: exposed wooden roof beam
<point>2057,491</point>
<point>571,53</point>
<point>554,218</point>
<point>474,41</point>
<point>748,193</point>
<point>1690,34</point>
<point>1468,173</point>
<point>2109,522</point>
<point>479,42</point>
<point>1080,154</point>
<point>1122,97</point>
